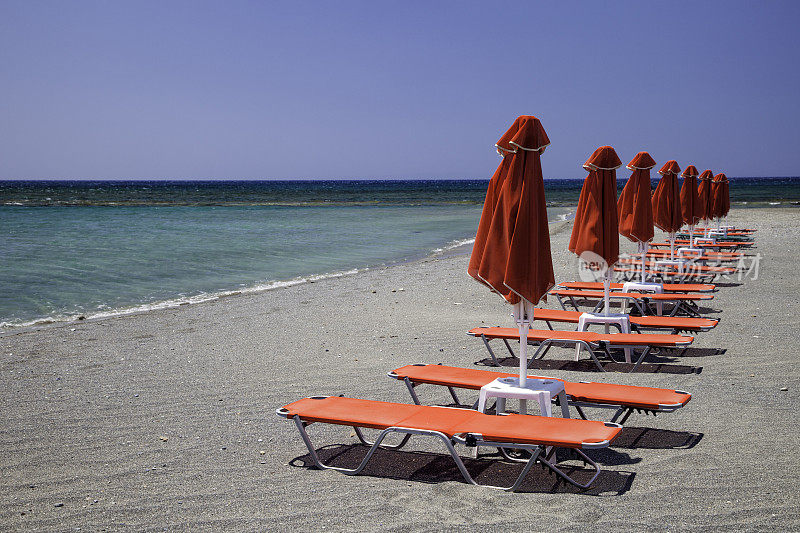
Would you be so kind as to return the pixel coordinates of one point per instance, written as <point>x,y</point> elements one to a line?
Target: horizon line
<point>317,179</point>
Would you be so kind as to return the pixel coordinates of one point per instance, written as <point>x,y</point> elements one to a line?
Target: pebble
<point>784,389</point>
<point>59,504</point>
<point>163,438</point>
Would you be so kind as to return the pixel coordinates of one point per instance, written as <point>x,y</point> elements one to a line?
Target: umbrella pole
<point>643,251</point>
<point>523,320</point>
<point>607,291</point>
<point>691,236</point>
<point>672,246</point>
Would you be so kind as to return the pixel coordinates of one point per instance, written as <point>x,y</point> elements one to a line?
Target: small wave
<point>13,203</point>
<point>774,203</point>
<point>177,302</point>
<point>453,244</point>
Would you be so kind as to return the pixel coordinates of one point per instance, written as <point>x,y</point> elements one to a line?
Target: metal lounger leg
<point>489,349</point>
<point>619,413</point>
<point>360,435</point>
<point>508,347</point>
<point>556,470</point>
<point>411,390</point>
<point>639,361</point>
<point>573,302</point>
<point>410,431</point>
<point>453,394</point>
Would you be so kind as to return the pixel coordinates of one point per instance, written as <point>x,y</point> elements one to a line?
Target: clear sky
<point>283,90</point>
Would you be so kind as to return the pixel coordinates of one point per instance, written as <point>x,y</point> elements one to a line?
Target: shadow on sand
<point>658,367</point>
<point>427,467</point>
<point>656,439</point>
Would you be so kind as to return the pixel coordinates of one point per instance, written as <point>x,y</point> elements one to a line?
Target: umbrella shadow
<point>727,284</point>
<point>434,468</point>
<point>587,365</point>
<point>653,438</point>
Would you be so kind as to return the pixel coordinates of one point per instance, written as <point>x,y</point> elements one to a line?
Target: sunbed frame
<point>639,324</point>
<point>594,343</point>
<point>542,452</point>
<point>642,301</point>
<point>427,374</point>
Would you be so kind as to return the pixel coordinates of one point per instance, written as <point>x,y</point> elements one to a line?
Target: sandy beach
<point>166,420</point>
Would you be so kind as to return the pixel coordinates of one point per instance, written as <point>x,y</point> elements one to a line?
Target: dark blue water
<point>559,192</point>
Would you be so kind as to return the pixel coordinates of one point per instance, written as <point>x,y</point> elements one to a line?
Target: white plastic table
<point>621,320</point>
<point>541,390</point>
<point>632,286</point>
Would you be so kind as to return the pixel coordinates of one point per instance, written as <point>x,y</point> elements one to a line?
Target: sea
<point>73,250</point>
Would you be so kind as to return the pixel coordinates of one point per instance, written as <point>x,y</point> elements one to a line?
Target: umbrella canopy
<point>512,247</point>
<point>633,207</point>
<point>511,254</point>
<point>492,194</point>
<point>667,199</point>
<point>596,223</point>
<point>720,201</point>
<point>704,194</point>
<point>690,202</point>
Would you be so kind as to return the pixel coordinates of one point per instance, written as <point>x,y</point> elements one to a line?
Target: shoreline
<point>461,247</point>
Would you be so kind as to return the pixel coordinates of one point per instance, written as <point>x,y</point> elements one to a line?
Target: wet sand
<point>166,420</point>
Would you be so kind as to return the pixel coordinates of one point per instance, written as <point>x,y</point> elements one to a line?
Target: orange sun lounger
<point>692,267</point>
<point>597,344</point>
<point>541,436</point>
<point>667,287</point>
<point>675,324</point>
<point>625,399</point>
<point>707,256</point>
<point>682,302</point>
<point>684,242</point>
<point>631,272</point>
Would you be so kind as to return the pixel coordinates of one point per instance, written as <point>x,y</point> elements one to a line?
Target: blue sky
<point>262,90</point>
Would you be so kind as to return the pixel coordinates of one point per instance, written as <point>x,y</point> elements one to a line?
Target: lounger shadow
<point>429,467</point>
<point>700,352</point>
<point>659,439</point>
<point>589,366</point>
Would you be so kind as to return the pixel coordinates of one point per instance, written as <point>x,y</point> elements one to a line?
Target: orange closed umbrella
<point>634,208</point>
<point>690,202</point>
<point>596,224</point>
<point>512,247</point>
<point>704,195</point>
<point>726,199</point>
<point>720,204</point>
<point>667,202</point>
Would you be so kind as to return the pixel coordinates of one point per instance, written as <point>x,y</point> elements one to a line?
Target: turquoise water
<point>62,262</point>
<point>70,249</point>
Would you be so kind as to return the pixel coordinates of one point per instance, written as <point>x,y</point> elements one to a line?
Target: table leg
<point>482,401</point>
<point>562,399</point>
<point>500,405</point>
<point>545,405</point>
